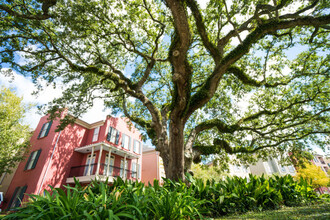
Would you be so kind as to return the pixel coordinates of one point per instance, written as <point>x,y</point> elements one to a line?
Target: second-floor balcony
<point>86,173</point>
<point>102,171</point>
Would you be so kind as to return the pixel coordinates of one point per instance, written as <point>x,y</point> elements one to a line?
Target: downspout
<point>50,160</point>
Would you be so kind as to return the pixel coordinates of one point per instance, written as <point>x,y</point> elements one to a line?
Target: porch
<point>104,169</point>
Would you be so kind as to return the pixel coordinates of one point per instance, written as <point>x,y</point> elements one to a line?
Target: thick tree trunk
<point>176,151</point>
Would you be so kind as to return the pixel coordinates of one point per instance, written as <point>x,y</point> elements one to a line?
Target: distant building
<point>152,166</point>
<point>240,171</point>
<point>321,161</point>
<point>5,180</point>
<point>270,167</point>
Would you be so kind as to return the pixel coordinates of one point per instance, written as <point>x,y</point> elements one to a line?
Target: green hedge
<point>193,199</point>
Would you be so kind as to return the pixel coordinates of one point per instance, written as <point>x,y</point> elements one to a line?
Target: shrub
<point>122,200</point>
<point>192,199</point>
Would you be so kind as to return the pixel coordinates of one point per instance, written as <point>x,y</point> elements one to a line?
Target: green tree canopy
<point>14,136</point>
<point>237,77</point>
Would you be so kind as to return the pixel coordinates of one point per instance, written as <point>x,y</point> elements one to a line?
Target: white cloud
<point>24,88</point>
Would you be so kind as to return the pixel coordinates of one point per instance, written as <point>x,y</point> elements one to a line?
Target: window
<point>45,129</point>
<point>137,146</point>
<point>126,142</point>
<point>291,169</point>
<point>113,135</point>
<point>112,161</point>
<point>133,170</point>
<point>89,165</point>
<point>267,168</point>
<point>17,197</point>
<point>96,134</point>
<point>122,167</point>
<point>139,171</point>
<point>32,161</point>
<point>282,168</point>
<point>316,160</point>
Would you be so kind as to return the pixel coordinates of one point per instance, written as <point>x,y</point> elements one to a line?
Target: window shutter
<point>28,161</point>
<point>140,148</point>
<point>13,197</point>
<point>36,159</point>
<point>123,138</point>
<point>129,143</point>
<point>42,128</point>
<point>117,138</point>
<point>48,128</point>
<point>109,134</point>
<point>20,197</point>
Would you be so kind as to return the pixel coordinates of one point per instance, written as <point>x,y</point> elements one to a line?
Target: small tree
<point>208,172</point>
<point>14,136</point>
<point>315,174</point>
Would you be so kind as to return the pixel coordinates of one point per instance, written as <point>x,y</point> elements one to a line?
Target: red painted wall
<point>150,167</point>
<point>64,157</point>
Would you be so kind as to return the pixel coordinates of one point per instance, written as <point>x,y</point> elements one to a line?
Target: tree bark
<point>176,150</point>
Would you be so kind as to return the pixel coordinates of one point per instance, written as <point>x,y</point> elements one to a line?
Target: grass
<point>317,211</point>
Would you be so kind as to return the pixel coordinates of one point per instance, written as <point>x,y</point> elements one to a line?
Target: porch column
<point>137,169</point>
<point>99,161</point>
<point>90,162</point>
<point>108,165</point>
<point>124,167</point>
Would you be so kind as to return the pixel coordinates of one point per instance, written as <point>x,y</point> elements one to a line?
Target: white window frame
<point>134,173</point>
<point>122,167</point>
<point>125,139</point>
<point>136,147</point>
<point>139,170</point>
<point>96,134</point>
<point>89,157</point>
<point>113,135</point>
<point>112,162</point>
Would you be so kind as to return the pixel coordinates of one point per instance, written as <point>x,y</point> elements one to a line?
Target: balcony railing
<point>113,171</point>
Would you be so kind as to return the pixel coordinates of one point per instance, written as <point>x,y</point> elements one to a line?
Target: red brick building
<point>101,150</point>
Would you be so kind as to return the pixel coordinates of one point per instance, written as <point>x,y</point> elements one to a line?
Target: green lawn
<point>318,211</point>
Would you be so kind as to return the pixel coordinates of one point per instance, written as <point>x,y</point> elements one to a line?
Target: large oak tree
<point>181,72</point>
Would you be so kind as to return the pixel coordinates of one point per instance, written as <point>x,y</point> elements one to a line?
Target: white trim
<point>90,162</point>
<point>108,165</point>
<point>96,134</point>
<point>107,147</point>
<point>99,161</point>
<point>125,167</point>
